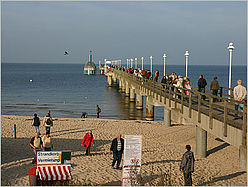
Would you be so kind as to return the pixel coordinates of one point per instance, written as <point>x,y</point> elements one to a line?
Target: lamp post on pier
<point>151,64</point>
<point>142,58</point>
<point>186,62</point>
<point>131,63</point>
<point>105,68</point>
<point>230,48</point>
<point>135,63</point>
<point>164,62</point>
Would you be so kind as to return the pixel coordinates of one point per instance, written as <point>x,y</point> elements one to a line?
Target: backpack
<point>36,121</point>
<point>49,121</point>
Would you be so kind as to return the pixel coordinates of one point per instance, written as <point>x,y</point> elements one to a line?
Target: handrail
<point>193,97</point>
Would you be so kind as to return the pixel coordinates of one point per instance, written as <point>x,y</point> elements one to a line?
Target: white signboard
<point>53,157</point>
<point>132,159</point>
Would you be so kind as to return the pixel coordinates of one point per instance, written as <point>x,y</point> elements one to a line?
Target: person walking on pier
<point>87,140</point>
<point>98,111</point>
<point>163,81</point>
<point>156,75</point>
<point>117,148</point>
<point>187,165</point>
<point>36,123</point>
<point>214,87</point>
<point>202,83</point>
<point>239,93</point>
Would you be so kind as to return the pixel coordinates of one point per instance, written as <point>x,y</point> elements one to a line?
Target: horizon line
<point>124,65</point>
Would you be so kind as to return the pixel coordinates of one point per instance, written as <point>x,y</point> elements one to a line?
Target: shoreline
<point>162,150</point>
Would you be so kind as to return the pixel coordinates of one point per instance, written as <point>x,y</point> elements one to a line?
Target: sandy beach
<point>161,152</point>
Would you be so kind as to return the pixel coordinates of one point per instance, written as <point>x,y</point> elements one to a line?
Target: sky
<point>40,32</point>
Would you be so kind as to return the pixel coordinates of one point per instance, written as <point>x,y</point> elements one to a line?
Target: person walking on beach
<point>36,123</point>
<point>49,112</point>
<point>202,83</point>
<point>47,142</point>
<point>98,111</point>
<point>117,148</point>
<point>187,165</point>
<point>214,87</point>
<point>87,140</point>
<point>36,145</point>
<point>239,93</point>
<point>48,122</point>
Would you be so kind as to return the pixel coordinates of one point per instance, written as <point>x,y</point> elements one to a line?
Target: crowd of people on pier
<point>178,81</point>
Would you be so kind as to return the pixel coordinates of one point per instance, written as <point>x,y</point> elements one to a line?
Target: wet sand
<point>161,151</point>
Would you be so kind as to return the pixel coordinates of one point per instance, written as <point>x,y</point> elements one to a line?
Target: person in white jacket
<point>239,93</point>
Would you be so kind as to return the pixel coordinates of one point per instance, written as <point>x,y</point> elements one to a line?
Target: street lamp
<point>142,58</point>
<point>105,68</point>
<point>186,59</point>
<point>151,64</point>
<point>164,63</point>
<point>131,63</point>
<point>135,63</point>
<point>230,47</point>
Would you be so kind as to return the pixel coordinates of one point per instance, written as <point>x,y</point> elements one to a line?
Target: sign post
<point>132,160</point>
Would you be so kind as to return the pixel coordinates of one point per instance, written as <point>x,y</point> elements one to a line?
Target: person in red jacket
<point>88,138</point>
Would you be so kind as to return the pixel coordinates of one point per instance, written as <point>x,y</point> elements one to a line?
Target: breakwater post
<point>15,131</point>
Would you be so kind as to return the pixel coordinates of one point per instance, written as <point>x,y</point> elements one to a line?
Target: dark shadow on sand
<point>222,146</point>
<point>11,152</point>
<point>225,177</point>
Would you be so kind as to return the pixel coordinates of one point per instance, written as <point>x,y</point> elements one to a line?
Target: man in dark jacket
<point>117,148</point>
<point>36,123</point>
<point>187,165</point>
<point>214,87</point>
<point>202,83</point>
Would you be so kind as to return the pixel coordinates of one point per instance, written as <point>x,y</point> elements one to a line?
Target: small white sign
<point>48,157</point>
<point>53,157</point>
<point>132,159</point>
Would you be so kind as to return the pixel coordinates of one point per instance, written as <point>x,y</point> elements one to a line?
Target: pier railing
<point>223,91</point>
<point>223,109</point>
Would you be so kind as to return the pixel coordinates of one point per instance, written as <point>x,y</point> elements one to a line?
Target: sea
<point>28,88</point>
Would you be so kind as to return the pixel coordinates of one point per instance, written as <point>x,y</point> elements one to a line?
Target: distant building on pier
<point>90,67</point>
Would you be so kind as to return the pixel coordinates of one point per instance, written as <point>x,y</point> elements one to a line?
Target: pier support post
<point>243,157</point>
<point>149,111</point>
<point>109,81</point>
<point>123,86</point>
<point>132,95</point>
<point>127,92</point>
<point>114,79</point>
<point>139,102</point>
<point>243,147</point>
<point>167,116</point>
<point>201,142</point>
<point>132,114</point>
<point>119,84</point>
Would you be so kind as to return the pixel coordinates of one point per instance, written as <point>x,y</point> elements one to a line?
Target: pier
<point>208,116</point>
